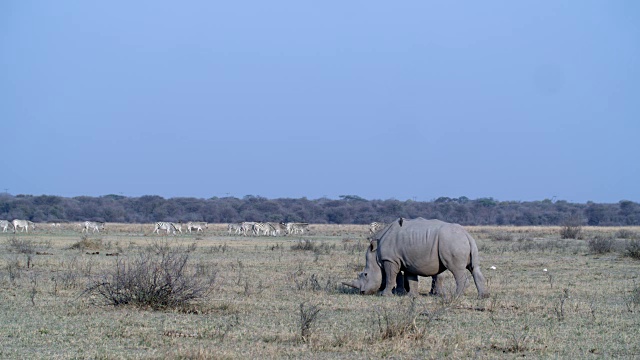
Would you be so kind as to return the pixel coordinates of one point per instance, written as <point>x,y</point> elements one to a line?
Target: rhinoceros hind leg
<point>436,285</point>
<point>461,280</point>
<point>411,282</point>
<point>479,279</point>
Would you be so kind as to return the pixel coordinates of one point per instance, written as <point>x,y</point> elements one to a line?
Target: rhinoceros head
<point>370,279</point>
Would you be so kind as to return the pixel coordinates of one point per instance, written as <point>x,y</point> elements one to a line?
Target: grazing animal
<point>198,226</point>
<point>419,247</point>
<point>163,225</point>
<point>24,224</point>
<point>93,225</point>
<point>4,224</point>
<point>374,227</point>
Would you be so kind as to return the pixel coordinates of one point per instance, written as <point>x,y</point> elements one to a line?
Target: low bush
<point>304,245</point>
<point>626,234</point>
<point>308,317</point>
<point>152,279</point>
<point>571,228</point>
<point>600,244</point>
<point>21,246</point>
<point>86,243</point>
<point>502,236</point>
<point>633,249</point>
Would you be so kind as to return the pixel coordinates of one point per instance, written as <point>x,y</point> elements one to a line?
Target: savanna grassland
<point>281,297</point>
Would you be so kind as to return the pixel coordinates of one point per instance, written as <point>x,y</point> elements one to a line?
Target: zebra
<point>24,224</point>
<point>374,227</point>
<point>261,228</point>
<point>162,225</point>
<point>296,228</point>
<point>277,228</point>
<point>178,227</point>
<point>94,225</point>
<point>198,226</point>
<point>235,228</point>
<point>4,224</point>
<point>247,226</point>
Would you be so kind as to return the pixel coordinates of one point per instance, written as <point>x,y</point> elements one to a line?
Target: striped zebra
<point>296,228</point>
<point>261,228</point>
<point>234,228</point>
<point>197,226</point>
<point>24,224</point>
<point>374,227</point>
<point>93,225</point>
<point>278,228</point>
<point>163,225</point>
<point>178,227</point>
<point>4,224</point>
<point>269,228</point>
<point>247,227</point>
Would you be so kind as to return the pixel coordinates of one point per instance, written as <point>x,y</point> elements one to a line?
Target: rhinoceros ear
<point>400,221</point>
<point>373,245</point>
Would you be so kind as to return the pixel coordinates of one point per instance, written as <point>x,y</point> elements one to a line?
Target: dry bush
<point>502,236</point>
<point>571,228</point>
<point>86,243</point>
<point>304,245</point>
<point>26,246</point>
<point>21,246</point>
<point>600,244</point>
<point>633,249</point>
<point>402,322</point>
<point>626,234</point>
<point>156,278</point>
<point>308,317</point>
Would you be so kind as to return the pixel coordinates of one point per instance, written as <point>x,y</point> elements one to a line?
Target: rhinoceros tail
<point>474,267</point>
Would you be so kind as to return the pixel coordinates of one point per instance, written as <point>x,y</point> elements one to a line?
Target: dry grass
<point>585,304</point>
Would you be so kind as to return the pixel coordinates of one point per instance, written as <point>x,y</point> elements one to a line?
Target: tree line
<point>348,209</point>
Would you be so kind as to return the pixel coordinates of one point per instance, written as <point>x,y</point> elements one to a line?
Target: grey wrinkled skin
<point>406,249</point>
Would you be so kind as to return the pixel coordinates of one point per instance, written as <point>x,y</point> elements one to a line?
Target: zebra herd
<point>174,228</point>
<point>245,228</point>
<point>17,224</point>
<point>266,228</point>
<point>25,225</point>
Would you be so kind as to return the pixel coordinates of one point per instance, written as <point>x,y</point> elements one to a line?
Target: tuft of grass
<point>502,236</point>
<point>86,243</point>
<point>305,245</point>
<point>308,317</point>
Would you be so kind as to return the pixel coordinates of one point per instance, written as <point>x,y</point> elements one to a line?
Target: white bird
<point>493,268</point>
<point>545,270</point>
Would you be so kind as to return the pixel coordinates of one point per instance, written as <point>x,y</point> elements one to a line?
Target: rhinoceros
<point>419,247</point>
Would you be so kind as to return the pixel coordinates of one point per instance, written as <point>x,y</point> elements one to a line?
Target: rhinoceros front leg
<point>391,271</point>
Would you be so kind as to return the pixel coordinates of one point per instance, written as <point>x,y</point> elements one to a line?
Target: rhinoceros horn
<point>353,284</point>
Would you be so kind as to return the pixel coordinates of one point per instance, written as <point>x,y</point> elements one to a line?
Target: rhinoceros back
<point>421,245</point>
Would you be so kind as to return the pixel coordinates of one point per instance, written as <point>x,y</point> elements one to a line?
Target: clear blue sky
<point>516,100</point>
